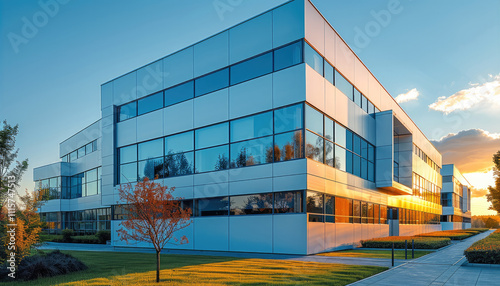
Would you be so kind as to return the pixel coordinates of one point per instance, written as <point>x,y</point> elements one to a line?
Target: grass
<point>118,268</point>
<point>375,253</point>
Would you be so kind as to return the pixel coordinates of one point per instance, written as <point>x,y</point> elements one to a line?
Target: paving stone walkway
<point>443,268</point>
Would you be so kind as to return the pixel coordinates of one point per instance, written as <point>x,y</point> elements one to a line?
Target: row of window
<point>82,222</point>
<point>83,184</point>
<point>330,143</point>
<point>257,66</point>
<point>455,218</point>
<point>49,189</point>
<point>421,154</point>
<point>265,203</point>
<point>331,209</point>
<point>417,217</point>
<point>425,190</point>
<point>325,69</point>
<point>80,152</point>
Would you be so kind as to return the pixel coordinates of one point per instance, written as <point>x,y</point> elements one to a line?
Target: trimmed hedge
<point>92,239</point>
<point>399,242</point>
<point>486,250</point>
<point>451,234</point>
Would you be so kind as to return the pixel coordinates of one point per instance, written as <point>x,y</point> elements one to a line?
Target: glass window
<point>340,158</point>
<point>151,149</point>
<point>151,169</point>
<point>364,103</point>
<point>329,73</point>
<point>288,202</point>
<point>179,164</point>
<point>313,59</point>
<point>364,149</point>
<point>371,153</point>
<point>383,214</point>
<point>371,213</point>
<point>356,144</point>
<point>356,211</point>
<point>357,97</point>
<point>343,210</point>
<point>288,118</point>
<point>212,206</point>
<point>252,68</point>
<point>92,188</point>
<point>212,135</point>
<point>253,152</point>
<point>128,154</point>
<point>314,120</point>
<point>329,204</point>
<point>88,148</point>
<point>94,145</point>
<point>364,212</point>
<point>127,111</point>
<point>179,143</point>
<point>376,213</point>
<point>252,204</point>
<point>348,140</point>
<point>91,175</point>
<point>53,182</point>
<point>371,108</point>
<point>356,165</point>
<point>288,146</point>
<point>329,153</point>
<point>212,82</point>
<point>128,173</point>
<point>340,134</point>
<point>212,159</point>
<point>344,86</point>
<point>179,93</point>
<point>364,169</point>
<point>150,103</point>
<point>252,127</point>
<point>81,152</point>
<point>288,56</point>
<point>348,162</point>
<point>329,129</point>
<point>314,147</point>
<point>314,202</point>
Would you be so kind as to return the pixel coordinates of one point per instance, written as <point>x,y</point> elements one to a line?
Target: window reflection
<point>127,111</point>
<point>252,68</point>
<point>212,82</point>
<point>288,146</point>
<point>314,202</point>
<point>179,93</point>
<point>212,159</point>
<point>212,206</point>
<point>314,147</point>
<point>288,202</point>
<point>252,126</point>
<point>344,86</point>
<point>179,164</point>
<point>212,135</point>
<point>252,204</point>
<point>288,56</point>
<point>150,103</point>
<point>151,169</point>
<point>179,143</point>
<point>313,59</point>
<point>314,120</point>
<point>151,149</point>
<point>253,152</point>
<point>288,118</point>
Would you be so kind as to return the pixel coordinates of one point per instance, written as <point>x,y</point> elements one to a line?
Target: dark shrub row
<point>399,242</point>
<point>486,250</point>
<point>68,236</point>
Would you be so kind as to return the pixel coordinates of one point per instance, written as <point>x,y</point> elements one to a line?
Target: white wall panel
<point>251,233</point>
<point>250,97</point>
<point>178,67</point>
<point>315,237</point>
<point>251,38</point>
<point>106,95</point>
<point>150,125</point>
<point>315,88</point>
<point>361,77</point>
<point>288,23</point>
<point>150,79</point>
<point>289,86</point>
<point>330,99</point>
<point>125,88</point>
<point>290,233</point>
<point>178,117</point>
<point>211,190</point>
<point>251,173</point>
<point>211,108</point>
<point>315,28</point>
<point>330,38</point>
<point>250,187</point>
<point>211,233</point>
<point>126,132</point>
<point>211,54</point>
<point>345,60</point>
<point>344,234</point>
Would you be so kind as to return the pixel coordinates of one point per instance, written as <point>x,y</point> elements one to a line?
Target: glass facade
<point>80,152</point>
<point>83,222</point>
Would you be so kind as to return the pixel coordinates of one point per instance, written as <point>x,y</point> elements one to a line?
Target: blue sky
<point>50,82</point>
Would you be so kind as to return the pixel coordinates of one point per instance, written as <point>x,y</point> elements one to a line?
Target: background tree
<point>494,191</point>
<point>154,215</point>
<point>491,223</point>
<point>8,155</point>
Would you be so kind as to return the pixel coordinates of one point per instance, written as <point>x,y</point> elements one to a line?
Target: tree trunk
<point>157,266</point>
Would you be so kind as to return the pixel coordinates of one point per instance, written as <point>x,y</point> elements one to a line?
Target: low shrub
<point>486,250</point>
<point>399,242</point>
<point>67,234</point>
<point>451,234</point>
<point>103,236</point>
<point>93,239</point>
<point>480,230</point>
<point>38,266</point>
<point>51,237</point>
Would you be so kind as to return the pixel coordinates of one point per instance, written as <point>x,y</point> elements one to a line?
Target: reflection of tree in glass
<point>260,203</point>
<point>315,151</point>
<point>290,150</point>
<point>338,163</point>
<point>284,202</point>
<point>243,159</point>
<point>177,164</point>
<point>329,150</point>
<point>222,162</point>
<point>154,168</point>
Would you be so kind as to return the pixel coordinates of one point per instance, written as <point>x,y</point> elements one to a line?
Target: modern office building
<point>274,133</point>
<point>455,199</point>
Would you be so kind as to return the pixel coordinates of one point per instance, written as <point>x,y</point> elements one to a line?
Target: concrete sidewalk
<point>444,267</point>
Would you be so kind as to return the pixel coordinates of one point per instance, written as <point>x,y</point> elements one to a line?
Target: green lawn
<point>375,253</point>
<point>118,268</point>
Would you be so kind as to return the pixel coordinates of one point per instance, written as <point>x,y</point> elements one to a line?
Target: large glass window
<point>340,134</point>
<point>128,154</point>
<point>356,211</point>
<point>151,169</point>
<point>179,164</point>
<point>252,152</point>
<point>212,159</point>
<point>288,146</point>
<point>128,173</point>
<point>340,158</point>
<point>364,212</point>
<point>151,149</point>
<point>313,59</point>
<point>343,210</point>
<point>314,147</point>
<point>364,103</point>
<point>252,127</point>
<point>212,206</point>
<point>356,165</point>
<point>314,120</point>
<point>383,214</point>
<point>329,73</point>
<point>329,129</point>
<point>344,86</point>
<point>179,93</point>
<point>329,153</point>
<point>357,97</point>
<point>88,148</point>
<point>288,202</point>
<point>314,202</point>
<point>127,111</point>
<point>288,118</point>
<point>81,152</point>
<point>212,135</point>
<point>252,68</point>
<point>212,82</point>
<point>252,204</point>
<point>179,143</point>
<point>288,56</point>
<point>150,103</point>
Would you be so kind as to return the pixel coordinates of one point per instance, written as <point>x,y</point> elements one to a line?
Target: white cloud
<point>410,95</point>
<point>476,94</point>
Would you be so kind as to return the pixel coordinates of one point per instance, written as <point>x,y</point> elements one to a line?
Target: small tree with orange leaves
<point>153,215</point>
